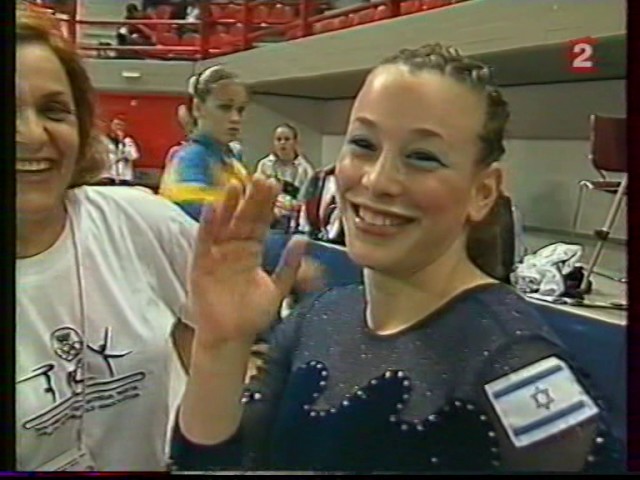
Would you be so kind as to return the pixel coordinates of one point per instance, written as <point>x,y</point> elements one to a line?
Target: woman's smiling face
<point>47,136</point>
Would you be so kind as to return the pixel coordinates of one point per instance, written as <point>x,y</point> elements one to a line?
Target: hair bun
<point>191,85</point>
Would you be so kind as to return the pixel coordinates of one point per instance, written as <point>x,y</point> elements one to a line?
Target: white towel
<point>543,272</point>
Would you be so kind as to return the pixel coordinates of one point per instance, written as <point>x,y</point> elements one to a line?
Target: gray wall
<point>267,111</point>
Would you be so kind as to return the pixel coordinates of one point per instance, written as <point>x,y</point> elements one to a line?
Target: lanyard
<point>83,323</point>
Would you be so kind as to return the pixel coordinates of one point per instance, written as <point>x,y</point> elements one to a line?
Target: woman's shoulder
<point>129,208</point>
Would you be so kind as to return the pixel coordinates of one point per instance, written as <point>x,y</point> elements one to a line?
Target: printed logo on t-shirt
<point>76,394</point>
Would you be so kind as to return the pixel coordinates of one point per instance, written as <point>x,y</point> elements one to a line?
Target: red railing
<point>232,27</point>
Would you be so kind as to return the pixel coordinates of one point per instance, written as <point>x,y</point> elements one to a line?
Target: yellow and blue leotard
<point>198,174</point>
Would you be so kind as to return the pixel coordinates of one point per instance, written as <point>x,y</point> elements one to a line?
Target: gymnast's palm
<point>231,296</point>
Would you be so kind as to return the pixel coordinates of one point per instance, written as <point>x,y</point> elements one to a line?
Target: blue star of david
<point>542,397</point>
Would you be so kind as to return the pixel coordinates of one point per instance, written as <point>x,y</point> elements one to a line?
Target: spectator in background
<point>123,152</point>
<point>193,11</point>
<point>156,3</point>
<point>187,124</point>
<point>199,170</point>
<point>134,35</point>
<point>189,11</point>
<point>179,11</point>
<point>287,165</point>
<point>320,217</point>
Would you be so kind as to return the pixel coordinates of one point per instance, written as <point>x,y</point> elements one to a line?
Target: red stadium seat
<point>409,6</point>
<point>215,41</point>
<point>366,16</point>
<point>232,12</point>
<point>169,39</point>
<point>221,29</point>
<point>341,22</point>
<point>332,24</point>
<point>236,31</point>
<point>382,12</point>
<point>289,14</point>
<point>163,12</point>
<point>293,33</point>
<point>190,40</point>
<point>281,14</point>
<point>222,42</point>
<point>166,28</point>
<point>217,12</point>
<point>431,4</point>
<point>260,14</point>
<point>323,26</point>
<point>149,29</point>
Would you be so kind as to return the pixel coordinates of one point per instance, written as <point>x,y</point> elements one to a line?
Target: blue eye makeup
<point>362,143</point>
<point>422,159</point>
<point>425,159</point>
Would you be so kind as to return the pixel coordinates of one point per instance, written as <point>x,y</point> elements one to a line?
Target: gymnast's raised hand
<point>231,297</point>
<point>231,300</point>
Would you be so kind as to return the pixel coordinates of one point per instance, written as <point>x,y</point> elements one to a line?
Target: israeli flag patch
<point>539,401</point>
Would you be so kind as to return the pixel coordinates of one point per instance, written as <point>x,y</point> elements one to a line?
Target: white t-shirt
<point>107,375</point>
<point>297,172</point>
<point>121,158</point>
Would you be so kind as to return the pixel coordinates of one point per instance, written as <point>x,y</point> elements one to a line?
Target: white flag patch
<point>539,401</point>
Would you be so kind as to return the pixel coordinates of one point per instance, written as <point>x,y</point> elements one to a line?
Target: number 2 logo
<point>581,55</point>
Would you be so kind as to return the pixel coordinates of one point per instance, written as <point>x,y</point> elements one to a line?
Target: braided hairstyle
<point>490,243</point>
<point>477,76</point>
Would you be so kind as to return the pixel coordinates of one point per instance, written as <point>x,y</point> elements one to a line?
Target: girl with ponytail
<point>199,170</point>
